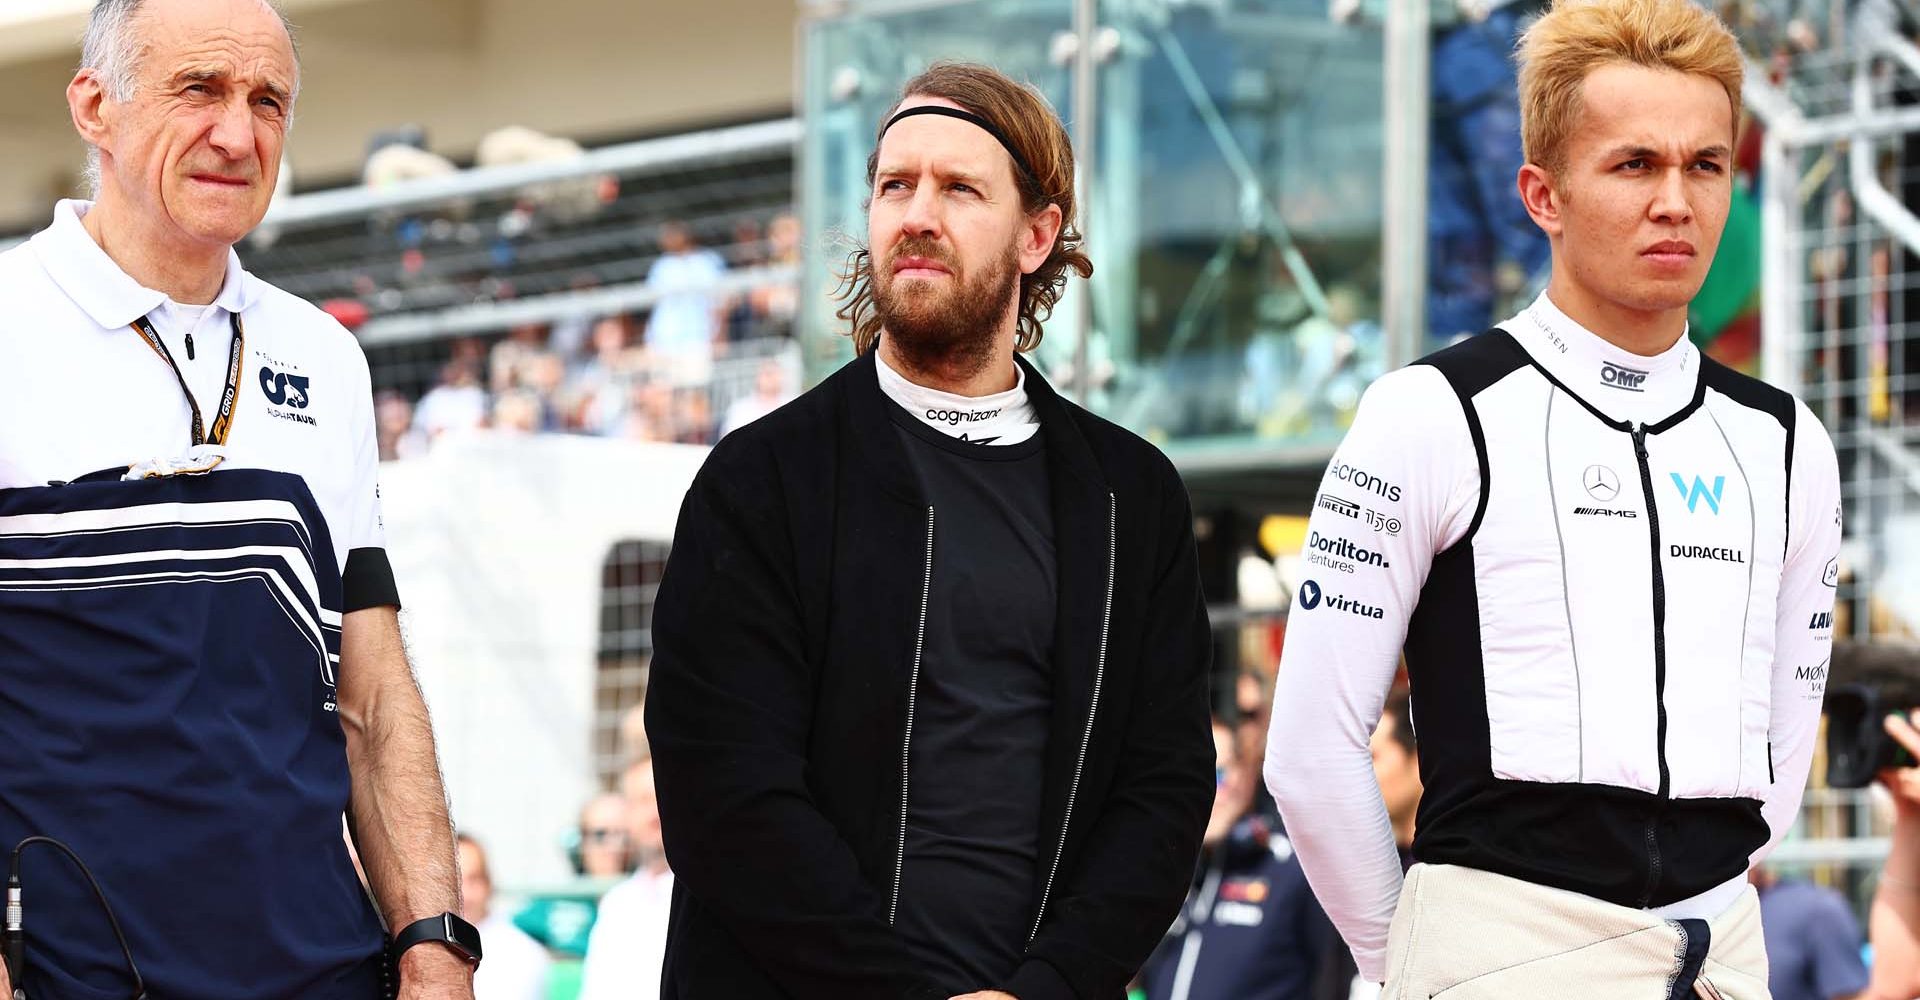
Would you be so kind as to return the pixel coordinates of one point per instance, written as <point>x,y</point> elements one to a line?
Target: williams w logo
<point>284,390</point>
<point>1700,492</point>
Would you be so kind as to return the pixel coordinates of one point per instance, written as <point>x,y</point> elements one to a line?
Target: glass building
<point>1233,156</point>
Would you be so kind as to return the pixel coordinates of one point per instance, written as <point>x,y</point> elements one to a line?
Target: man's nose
<point>923,215</point>
<point>232,134</point>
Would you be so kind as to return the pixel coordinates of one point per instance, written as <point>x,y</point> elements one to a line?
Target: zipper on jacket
<point>1086,736</point>
<point>1659,657</point>
<point>906,742</point>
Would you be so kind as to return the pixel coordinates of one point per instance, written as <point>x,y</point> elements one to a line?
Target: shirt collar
<point>1626,386</point>
<point>99,287</point>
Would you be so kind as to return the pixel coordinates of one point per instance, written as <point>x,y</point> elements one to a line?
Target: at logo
<point>1621,377</point>
<point>282,389</point>
<point>1700,492</point>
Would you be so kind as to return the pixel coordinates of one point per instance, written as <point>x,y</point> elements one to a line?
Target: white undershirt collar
<point>1001,418</point>
<point>1623,385</point>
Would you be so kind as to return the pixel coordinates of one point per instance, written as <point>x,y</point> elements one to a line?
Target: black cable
<point>15,934</point>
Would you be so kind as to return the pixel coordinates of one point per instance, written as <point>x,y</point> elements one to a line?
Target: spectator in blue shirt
<point>1251,928</point>
<point>1813,940</point>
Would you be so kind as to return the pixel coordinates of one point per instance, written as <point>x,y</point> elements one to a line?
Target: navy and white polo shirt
<point>169,648</point>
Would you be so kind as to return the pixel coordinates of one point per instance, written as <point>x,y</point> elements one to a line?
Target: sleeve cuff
<point>367,581</point>
<point>1037,979</point>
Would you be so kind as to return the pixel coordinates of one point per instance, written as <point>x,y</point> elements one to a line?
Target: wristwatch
<point>447,929</point>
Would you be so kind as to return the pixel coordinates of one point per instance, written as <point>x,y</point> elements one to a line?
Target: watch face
<point>464,936</point>
<point>446,929</point>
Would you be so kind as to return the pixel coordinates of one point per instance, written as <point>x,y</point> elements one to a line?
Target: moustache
<point>915,246</point>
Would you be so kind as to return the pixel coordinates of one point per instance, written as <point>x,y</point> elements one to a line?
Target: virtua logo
<point>282,389</point>
<point>1312,597</point>
<point>1700,492</point>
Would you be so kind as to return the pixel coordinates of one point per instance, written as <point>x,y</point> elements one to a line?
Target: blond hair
<point>1577,37</point>
<point>1030,126</point>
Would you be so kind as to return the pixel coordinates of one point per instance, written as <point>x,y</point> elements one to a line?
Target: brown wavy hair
<point>1024,117</point>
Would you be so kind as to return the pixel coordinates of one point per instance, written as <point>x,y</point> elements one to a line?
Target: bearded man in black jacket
<point>928,703</point>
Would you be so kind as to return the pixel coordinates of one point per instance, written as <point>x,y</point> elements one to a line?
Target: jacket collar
<point>1067,448</point>
<point>1068,455</point>
<point>99,287</point>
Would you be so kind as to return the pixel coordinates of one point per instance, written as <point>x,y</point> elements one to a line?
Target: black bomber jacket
<point>785,642</point>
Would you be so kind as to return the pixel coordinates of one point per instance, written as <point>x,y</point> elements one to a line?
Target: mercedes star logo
<point>1601,483</point>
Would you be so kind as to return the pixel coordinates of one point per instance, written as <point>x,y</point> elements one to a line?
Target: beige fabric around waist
<point>1464,934</point>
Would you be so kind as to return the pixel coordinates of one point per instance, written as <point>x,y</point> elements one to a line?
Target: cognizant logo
<point>954,418</point>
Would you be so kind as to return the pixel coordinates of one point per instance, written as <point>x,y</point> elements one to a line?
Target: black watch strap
<point>446,929</point>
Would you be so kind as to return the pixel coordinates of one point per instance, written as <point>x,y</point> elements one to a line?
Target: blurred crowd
<point>695,364</point>
<point>604,941</point>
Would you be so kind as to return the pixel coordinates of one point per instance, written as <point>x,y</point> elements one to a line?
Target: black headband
<point>971,118</point>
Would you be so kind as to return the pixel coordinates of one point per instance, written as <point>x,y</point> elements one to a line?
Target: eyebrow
<point>963,176</point>
<point>273,90</point>
<point>1633,152</point>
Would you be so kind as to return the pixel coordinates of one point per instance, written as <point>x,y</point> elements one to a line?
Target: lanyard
<point>222,420</point>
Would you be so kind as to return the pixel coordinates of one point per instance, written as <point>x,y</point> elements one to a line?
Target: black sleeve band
<point>368,580</point>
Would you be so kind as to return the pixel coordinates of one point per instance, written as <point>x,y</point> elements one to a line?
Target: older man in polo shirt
<point>200,660</point>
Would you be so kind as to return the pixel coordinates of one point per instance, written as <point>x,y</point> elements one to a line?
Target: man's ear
<point>1038,236</point>
<point>87,104</point>
<point>1542,201</point>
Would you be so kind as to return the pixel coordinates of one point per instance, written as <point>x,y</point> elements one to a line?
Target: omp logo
<point>1700,492</point>
<point>282,389</point>
<point>1311,597</point>
<point>1821,619</point>
<point>1621,377</point>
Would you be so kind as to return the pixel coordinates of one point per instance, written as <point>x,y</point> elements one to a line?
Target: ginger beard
<point>949,329</point>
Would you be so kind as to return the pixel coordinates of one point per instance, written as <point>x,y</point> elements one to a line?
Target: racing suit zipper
<point>1659,663</point>
<point>906,741</point>
<point>1086,736</point>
